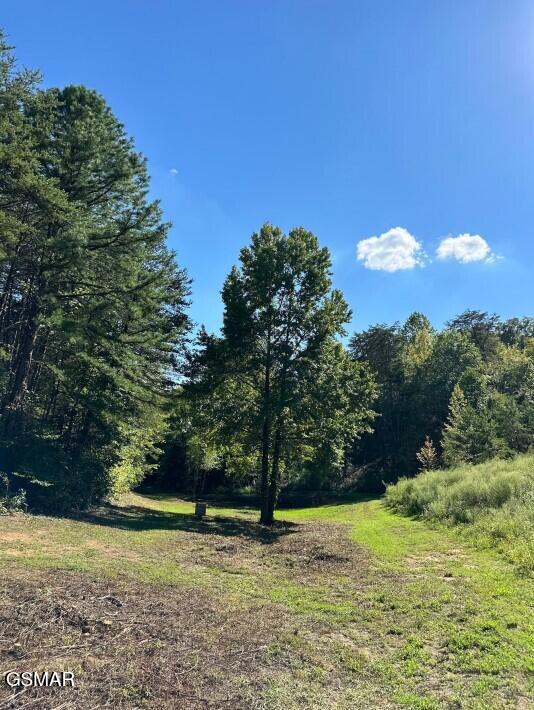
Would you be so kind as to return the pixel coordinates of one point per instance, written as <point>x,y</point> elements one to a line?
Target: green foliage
<point>482,328</point>
<point>456,435</point>
<point>138,454</point>
<point>419,371</point>
<point>495,426</point>
<point>494,501</point>
<point>280,391</point>
<point>91,300</point>
<point>11,502</point>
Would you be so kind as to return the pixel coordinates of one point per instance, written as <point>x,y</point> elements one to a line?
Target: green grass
<point>391,613</point>
<point>492,504</point>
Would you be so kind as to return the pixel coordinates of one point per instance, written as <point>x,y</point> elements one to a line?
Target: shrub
<point>11,502</point>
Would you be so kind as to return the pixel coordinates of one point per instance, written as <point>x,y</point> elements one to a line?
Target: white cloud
<point>394,250</point>
<point>465,248</point>
<point>173,171</point>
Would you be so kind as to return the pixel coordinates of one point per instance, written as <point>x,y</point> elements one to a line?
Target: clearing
<point>339,606</point>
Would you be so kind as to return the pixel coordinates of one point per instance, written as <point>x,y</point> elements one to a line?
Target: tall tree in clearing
<point>287,392</point>
<point>91,300</point>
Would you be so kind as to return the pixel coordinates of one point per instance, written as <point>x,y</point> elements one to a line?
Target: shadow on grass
<point>137,518</point>
<point>287,501</point>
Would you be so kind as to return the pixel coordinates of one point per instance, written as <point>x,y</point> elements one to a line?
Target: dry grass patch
<point>132,645</point>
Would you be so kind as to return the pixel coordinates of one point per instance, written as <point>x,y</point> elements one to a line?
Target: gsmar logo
<point>46,679</point>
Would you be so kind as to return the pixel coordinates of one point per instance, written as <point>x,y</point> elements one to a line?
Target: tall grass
<point>492,503</point>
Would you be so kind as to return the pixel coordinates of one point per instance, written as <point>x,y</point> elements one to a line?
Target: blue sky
<point>349,118</point>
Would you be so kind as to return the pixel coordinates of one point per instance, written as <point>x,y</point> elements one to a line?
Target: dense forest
<point>464,394</point>
<point>92,303</point>
<point>103,385</point>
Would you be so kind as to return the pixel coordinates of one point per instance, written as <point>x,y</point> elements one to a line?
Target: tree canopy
<point>92,303</point>
<point>467,388</point>
<point>284,391</point>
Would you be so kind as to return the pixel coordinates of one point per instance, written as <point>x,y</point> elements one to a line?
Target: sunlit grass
<point>419,617</point>
<point>491,505</point>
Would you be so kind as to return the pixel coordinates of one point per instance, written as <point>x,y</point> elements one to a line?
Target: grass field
<point>340,606</point>
<point>491,504</point>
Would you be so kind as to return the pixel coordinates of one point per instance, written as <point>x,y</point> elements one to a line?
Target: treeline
<point>92,303</point>
<point>100,386</point>
<point>464,394</point>
<point>461,395</point>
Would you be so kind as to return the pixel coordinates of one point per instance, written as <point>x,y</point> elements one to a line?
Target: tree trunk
<point>266,438</point>
<point>196,483</point>
<point>5,298</point>
<point>264,482</point>
<point>274,483</point>
<point>51,402</point>
<point>21,369</point>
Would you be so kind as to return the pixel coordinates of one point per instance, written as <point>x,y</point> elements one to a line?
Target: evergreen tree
<point>283,389</point>
<point>455,441</point>
<point>427,456</point>
<point>471,435</point>
<point>91,301</point>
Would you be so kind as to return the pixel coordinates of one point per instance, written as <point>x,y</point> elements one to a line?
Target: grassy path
<point>340,606</point>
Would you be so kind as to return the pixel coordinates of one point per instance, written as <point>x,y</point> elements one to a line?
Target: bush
<point>11,502</point>
<point>492,502</point>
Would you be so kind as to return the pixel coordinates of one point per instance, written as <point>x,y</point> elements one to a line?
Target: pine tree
<point>469,435</point>
<point>427,456</point>
<point>455,442</point>
<point>92,303</point>
<point>281,388</point>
